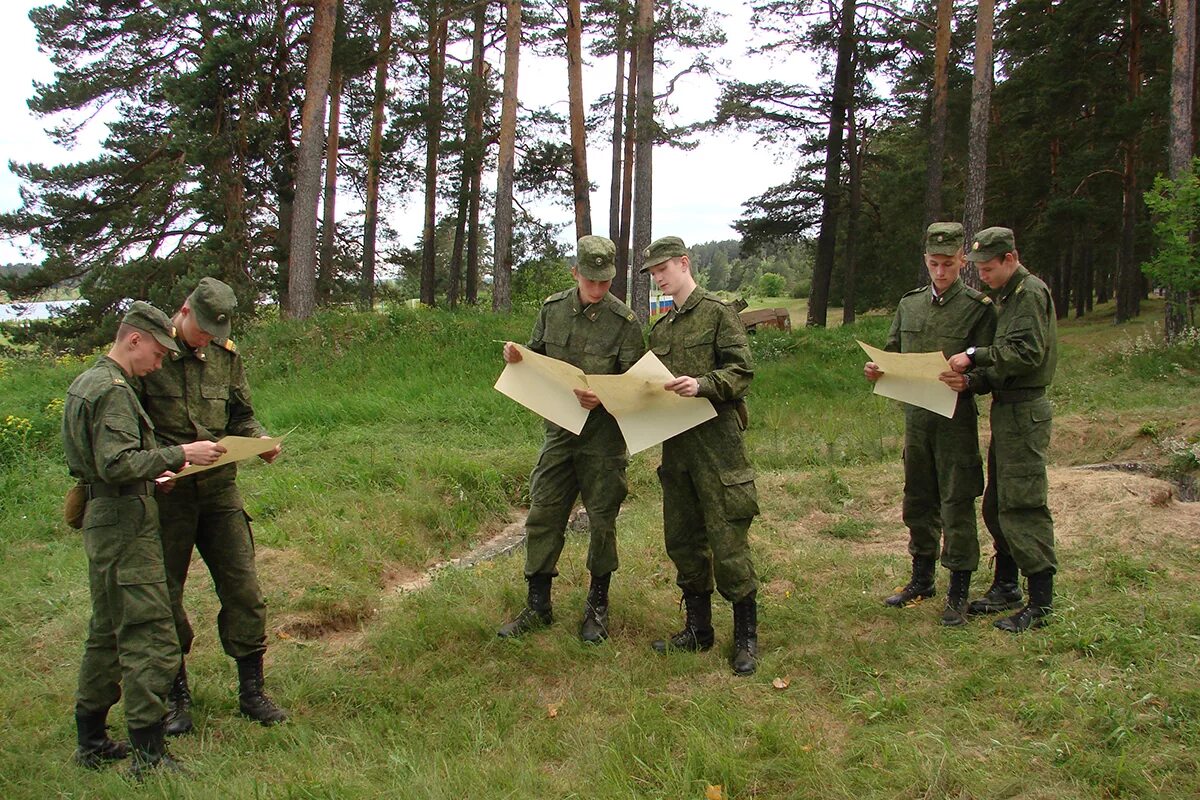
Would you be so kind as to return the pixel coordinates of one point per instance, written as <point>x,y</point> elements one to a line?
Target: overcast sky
<point>697,194</point>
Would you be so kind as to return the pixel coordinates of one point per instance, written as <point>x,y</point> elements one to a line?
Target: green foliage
<point>1175,205</point>
<point>771,284</point>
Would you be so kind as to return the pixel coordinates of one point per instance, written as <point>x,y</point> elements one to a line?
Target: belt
<point>94,490</point>
<point>1017,395</point>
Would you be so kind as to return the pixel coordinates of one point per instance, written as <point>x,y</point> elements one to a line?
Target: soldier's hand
<point>587,398</point>
<point>954,380</point>
<point>511,354</point>
<point>684,386</point>
<point>202,453</point>
<point>960,362</point>
<point>165,484</point>
<point>872,372</point>
<point>270,455</point>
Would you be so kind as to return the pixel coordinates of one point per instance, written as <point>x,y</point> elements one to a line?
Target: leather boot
<point>745,635</point>
<point>919,585</point>
<point>179,714</point>
<point>595,612</point>
<point>955,612</point>
<point>697,634</point>
<point>94,745</point>
<point>537,612</point>
<point>1035,612</point>
<point>252,700</point>
<point>1005,591</point>
<point>150,752</point>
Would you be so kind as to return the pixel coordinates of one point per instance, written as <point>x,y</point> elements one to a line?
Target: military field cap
<point>213,302</point>
<point>597,258</point>
<point>944,238</point>
<point>661,250</point>
<point>990,243</point>
<point>145,317</point>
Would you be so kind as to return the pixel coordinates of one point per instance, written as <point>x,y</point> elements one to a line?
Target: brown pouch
<point>73,506</point>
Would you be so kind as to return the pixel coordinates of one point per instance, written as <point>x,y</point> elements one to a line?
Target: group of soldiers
<point>170,387</point>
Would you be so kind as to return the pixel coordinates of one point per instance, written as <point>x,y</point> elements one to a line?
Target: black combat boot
<point>1004,593</point>
<point>150,752</point>
<point>919,585</point>
<point>745,635</point>
<point>955,612</point>
<point>1035,612</point>
<point>537,612</point>
<point>697,634</point>
<point>595,611</point>
<point>252,700</point>
<point>94,745</point>
<point>178,720</point>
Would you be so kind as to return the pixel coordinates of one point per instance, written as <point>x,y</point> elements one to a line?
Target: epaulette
<point>564,294</point>
<point>229,345</point>
<point>622,311</point>
<point>977,295</point>
<point>918,290</point>
<point>1020,288</point>
<point>119,382</point>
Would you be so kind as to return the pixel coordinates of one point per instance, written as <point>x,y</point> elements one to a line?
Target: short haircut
<point>125,331</point>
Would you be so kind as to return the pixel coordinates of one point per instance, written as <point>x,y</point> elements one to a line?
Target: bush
<point>802,289</point>
<point>771,284</point>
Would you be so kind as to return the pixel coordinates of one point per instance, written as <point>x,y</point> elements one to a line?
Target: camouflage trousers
<point>564,472</point>
<point>131,642</point>
<point>204,512</point>
<point>1015,502</point>
<point>709,501</point>
<point>943,474</point>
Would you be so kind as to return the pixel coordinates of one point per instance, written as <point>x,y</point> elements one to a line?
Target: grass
<point>404,457</point>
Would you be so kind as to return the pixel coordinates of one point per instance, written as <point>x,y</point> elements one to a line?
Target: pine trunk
<point>643,192</point>
<point>475,148</point>
<point>436,54</point>
<point>981,109</point>
<point>579,173</point>
<point>375,158</point>
<point>620,281</point>
<point>937,122</point>
<point>1181,138</point>
<point>502,258</point>
<point>627,263</point>
<point>854,150</point>
<point>1129,294</point>
<point>328,215</point>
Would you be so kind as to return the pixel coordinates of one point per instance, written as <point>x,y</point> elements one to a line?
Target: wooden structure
<point>778,318</point>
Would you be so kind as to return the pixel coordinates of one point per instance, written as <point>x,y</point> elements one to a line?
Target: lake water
<point>28,311</point>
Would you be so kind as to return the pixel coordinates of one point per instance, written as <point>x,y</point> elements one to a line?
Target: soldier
<point>593,330</point>
<point>709,497</point>
<point>943,473</point>
<point>111,450</point>
<point>1016,368</point>
<point>202,393</point>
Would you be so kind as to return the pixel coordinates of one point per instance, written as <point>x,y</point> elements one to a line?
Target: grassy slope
<point>405,456</point>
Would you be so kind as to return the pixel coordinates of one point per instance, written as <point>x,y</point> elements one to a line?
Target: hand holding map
<point>913,378</point>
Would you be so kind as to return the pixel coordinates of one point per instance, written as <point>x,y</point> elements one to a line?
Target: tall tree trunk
<point>283,175</point>
<point>328,215</point>
<point>620,281</point>
<point>475,151</point>
<point>625,265</point>
<point>579,173</point>
<point>302,272</point>
<point>818,302</point>
<point>1129,294</point>
<point>854,149</point>
<point>937,122</point>
<point>981,109</point>
<point>470,158</point>
<point>435,52</point>
<point>375,157</point>
<point>643,181</point>
<point>1181,142</point>
<point>502,258</point>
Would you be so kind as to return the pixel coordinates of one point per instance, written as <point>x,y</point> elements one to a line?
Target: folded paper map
<point>913,378</point>
<point>646,412</point>
<point>237,448</point>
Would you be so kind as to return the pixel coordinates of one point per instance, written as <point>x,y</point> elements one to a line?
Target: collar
<point>1006,291</point>
<point>186,350</point>
<point>591,311</point>
<point>692,301</point>
<point>946,296</point>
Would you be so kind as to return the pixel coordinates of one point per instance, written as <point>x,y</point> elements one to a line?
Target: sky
<point>697,194</point>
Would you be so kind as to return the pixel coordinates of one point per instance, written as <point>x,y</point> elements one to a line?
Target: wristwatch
<point>970,351</point>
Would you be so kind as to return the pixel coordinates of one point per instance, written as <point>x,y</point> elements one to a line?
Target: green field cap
<point>944,238</point>
<point>990,243</point>
<point>213,302</point>
<point>145,317</point>
<point>597,258</point>
<point>661,250</point>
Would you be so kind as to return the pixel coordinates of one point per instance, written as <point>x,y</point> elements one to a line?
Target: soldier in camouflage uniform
<point>709,497</point>
<point>111,450</point>
<point>587,327</point>
<point>1016,368</point>
<point>202,393</point>
<point>943,473</point>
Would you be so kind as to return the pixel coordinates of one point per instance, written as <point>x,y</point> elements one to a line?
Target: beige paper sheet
<point>913,378</point>
<point>646,412</point>
<point>237,448</point>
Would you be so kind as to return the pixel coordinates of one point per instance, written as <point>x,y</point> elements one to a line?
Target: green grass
<point>403,456</point>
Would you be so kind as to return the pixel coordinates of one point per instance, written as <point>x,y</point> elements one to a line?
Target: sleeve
<point>241,410</point>
<point>982,335</point>
<point>730,380</point>
<point>539,330</point>
<point>117,442</point>
<point>1022,347</point>
<point>893,339</point>
<point>633,346</point>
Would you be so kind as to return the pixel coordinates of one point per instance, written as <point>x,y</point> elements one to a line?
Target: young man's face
<point>995,272</point>
<point>590,291</point>
<point>943,269</point>
<point>190,331</point>
<point>669,275</point>
<point>146,354</point>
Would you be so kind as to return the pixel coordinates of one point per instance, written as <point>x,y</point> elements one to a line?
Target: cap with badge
<point>991,243</point>
<point>944,238</point>
<point>213,302</point>
<point>597,258</point>
<point>663,249</point>
<point>147,318</point>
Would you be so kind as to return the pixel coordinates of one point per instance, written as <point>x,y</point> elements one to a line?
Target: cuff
<point>983,357</point>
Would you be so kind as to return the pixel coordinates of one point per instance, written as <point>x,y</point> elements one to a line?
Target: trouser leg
<point>603,488</point>
<point>921,507</point>
<point>684,533</point>
<point>179,519</point>
<point>553,487</point>
<point>1021,438</point>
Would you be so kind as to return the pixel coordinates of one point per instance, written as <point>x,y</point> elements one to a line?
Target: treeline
<point>774,270</point>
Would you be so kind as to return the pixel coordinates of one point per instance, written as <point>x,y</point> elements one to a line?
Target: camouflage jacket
<point>1024,353</point>
<point>958,318</point>
<point>705,339</point>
